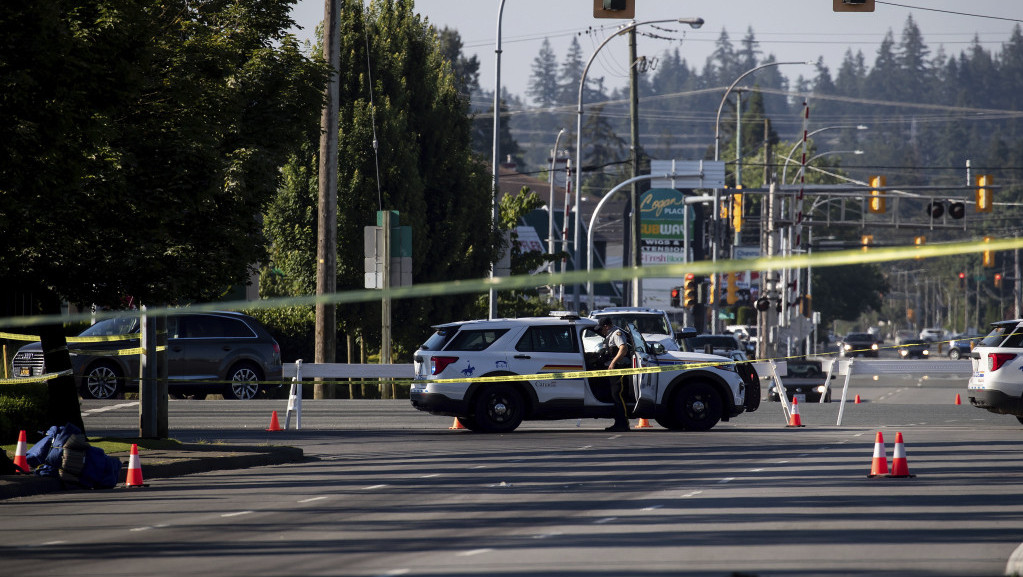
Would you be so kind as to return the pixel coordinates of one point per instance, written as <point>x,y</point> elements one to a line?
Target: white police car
<point>476,371</point>
<point>653,323</point>
<point>997,381</point>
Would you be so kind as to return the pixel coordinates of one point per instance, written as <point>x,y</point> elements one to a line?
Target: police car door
<point>552,348</point>
<point>644,385</point>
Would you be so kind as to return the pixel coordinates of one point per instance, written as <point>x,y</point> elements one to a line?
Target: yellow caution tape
<point>34,379</point>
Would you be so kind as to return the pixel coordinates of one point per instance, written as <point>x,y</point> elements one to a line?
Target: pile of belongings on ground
<point>65,453</point>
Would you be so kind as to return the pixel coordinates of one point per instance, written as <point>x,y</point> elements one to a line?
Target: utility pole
<point>326,240</point>
<point>634,240</point>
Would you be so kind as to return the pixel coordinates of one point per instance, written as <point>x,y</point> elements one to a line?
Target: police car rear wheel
<point>499,409</point>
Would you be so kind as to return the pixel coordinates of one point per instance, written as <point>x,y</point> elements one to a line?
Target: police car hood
<point>687,357</point>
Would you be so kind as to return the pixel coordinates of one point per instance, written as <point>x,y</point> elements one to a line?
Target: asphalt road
<point>391,491</point>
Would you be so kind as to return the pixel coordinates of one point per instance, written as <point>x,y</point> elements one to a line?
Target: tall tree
<point>466,70</point>
<point>139,143</point>
<point>543,78</point>
<point>428,173</point>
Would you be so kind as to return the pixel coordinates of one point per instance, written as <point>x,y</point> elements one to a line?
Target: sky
<point>797,30</point>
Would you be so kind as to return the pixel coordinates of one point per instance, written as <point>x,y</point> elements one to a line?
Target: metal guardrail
<point>349,371</point>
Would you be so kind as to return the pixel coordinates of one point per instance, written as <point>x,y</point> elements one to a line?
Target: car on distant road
<point>491,375</point>
<point>914,349</point>
<point>859,345</point>
<point>804,380</point>
<point>228,353</point>
<point>997,381</point>
<point>959,347</point>
<point>932,334</point>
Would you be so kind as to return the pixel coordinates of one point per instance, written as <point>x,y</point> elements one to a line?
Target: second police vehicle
<point>478,371</point>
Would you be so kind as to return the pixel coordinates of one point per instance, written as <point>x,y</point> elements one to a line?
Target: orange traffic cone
<point>456,425</point>
<point>857,399</point>
<point>644,424</point>
<point>134,478</point>
<point>958,400</point>
<point>879,465</point>
<point>274,425</point>
<point>900,467</point>
<point>794,420</point>
<point>20,461</point>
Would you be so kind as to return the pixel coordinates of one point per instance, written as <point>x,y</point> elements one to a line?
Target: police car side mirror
<point>657,349</point>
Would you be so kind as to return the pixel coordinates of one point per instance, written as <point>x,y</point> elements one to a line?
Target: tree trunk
<point>63,405</point>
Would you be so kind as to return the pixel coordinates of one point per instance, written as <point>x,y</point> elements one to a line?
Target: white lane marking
<point>371,487</point>
<point>311,499</point>
<point>614,436</point>
<point>756,470</point>
<point>474,552</point>
<point>586,447</point>
<point>136,529</point>
<point>53,543</point>
<point>546,535</point>
<point>651,507</point>
<point>395,572</point>
<point>236,514</point>
<point>604,520</point>
<point>430,476</point>
<point>726,480</point>
<point>691,493</point>
<point>110,408</point>
<point>480,467</point>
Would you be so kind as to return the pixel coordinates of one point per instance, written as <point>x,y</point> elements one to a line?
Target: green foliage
<point>23,407</point>
<point>141,140</point>
<point>845,292</point>
<point>524,302</point>
<point>416,111</point>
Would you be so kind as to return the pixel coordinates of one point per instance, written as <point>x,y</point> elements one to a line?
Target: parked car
<point>932,334</point>
<point>959,347</point>
<point>747,335</point>
<point>805,380</point>
<point>997,381</point>
<point>216,352</point>
<point>724,345</point>
<point>914,348</point>
<point>859,345</point>
<point>490,376</point>
<point>653,323</point>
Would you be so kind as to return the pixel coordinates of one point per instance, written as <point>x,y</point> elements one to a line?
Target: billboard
<point>663,226</point>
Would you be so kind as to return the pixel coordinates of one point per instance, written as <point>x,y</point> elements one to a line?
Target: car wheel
<point>244,379</point>
<point>499,408</point>
<point>697,407</point>
<point>468,423</point>
<point>954,354</point>
<point>101,381</point>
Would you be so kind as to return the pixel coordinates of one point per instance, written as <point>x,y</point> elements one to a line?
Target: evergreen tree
<point>466,70</point>
<point>543,88</point>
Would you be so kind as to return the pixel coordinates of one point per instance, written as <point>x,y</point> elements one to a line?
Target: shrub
<point>23,407</point>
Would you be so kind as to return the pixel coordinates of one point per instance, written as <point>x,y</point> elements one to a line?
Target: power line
<point>926,9</point>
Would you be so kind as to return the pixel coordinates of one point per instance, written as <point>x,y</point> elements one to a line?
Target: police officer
<point>614,338</point>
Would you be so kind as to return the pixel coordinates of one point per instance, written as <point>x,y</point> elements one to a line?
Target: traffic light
<point>737,211</point>
<point>852,5</point>
<point>625,9</point>
<point>935,209</point>
<point>866,240</point>
<point>676,297</point>
<point>988,258</point>
<point>876,195</point>
<point>962,280</point>
<point>919,240</point>
<point>731,289</point>
<point>806,306</point>
<point>998,280</point>
<point>690,291</point>
<point>983,194</point>
<point>712,290</point>
<point>956,210</point>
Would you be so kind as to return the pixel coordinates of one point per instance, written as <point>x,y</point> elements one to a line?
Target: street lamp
<point>550,207</point>
<point>695,23</point>
<point>816,156</point>
<point>495,164</point>
<point>717,157</point>
<point>807,137</point>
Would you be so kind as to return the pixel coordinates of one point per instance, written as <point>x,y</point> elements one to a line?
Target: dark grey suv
<point>216,352</point>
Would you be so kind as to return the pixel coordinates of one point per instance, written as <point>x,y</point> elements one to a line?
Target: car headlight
<point>847,347</point>
<point>873,347</point>
<point>821,389</point>
<point>926,352</point>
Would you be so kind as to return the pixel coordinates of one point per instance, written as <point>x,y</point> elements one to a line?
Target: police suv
<point>491,375</point>
<point>997,380</point>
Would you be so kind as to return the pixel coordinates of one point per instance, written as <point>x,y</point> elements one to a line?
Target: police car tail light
<point>438,364</point>
<point>996,360</point>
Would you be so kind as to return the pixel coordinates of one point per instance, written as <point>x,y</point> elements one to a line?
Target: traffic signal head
<point>935,209</point>
<point>852,5</point>
<point>676,296</point>
<point>983,193</point>
<point>877,204</point>
<point>956,210</point>
<point>962,280</point>
<point>731,290</point>
<point>988,258</point>
<point>998,280</point>
<point>690,291</point>
<point>625,9</point>
<point>737,212</point>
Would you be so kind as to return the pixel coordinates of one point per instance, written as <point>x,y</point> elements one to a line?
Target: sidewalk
<point>157,464</point>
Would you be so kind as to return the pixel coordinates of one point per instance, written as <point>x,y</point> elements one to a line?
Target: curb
<point>159,464</point>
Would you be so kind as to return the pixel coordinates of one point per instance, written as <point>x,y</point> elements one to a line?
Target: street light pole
<point>496,164</point>
<point>717,157</point>
<point>695,23</point>
<point>788,158</point>
<point>550,206</point>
